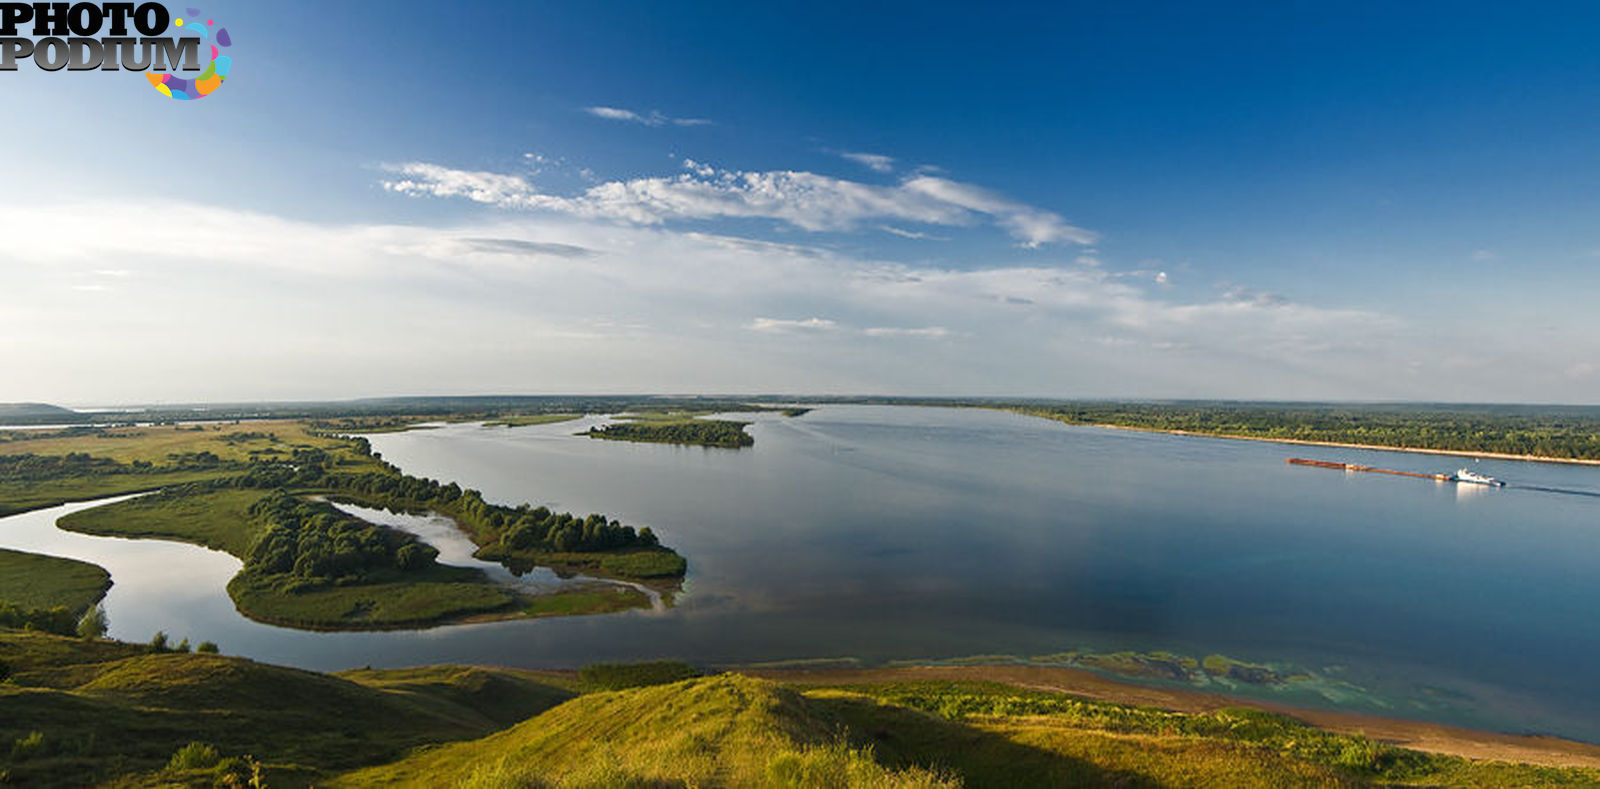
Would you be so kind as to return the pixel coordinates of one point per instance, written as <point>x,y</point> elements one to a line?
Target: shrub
<point>194,756</point>
<point>158,643</point>
<point>207,648</point>
<point>94,623</point>
<point>28,747</point>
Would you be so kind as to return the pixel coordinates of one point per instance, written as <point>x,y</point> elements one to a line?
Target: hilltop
<point>32,412</point>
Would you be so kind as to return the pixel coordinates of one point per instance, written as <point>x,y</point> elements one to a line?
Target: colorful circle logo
<point>216,71</point>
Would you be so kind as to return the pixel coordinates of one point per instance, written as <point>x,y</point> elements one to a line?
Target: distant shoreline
<point>1337,444</point>
<point>1417,735</point>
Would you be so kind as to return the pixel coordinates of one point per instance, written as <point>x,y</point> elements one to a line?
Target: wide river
<point>876,534</point>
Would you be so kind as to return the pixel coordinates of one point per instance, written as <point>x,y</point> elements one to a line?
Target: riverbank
<point>1335,444</point>
<point>1415,735</point>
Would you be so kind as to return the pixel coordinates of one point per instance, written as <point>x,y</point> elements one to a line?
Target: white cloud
<point>805,200</point>
<point>895,231</point>
<point>421,178</point>
<point>876,162</point>
<point>926,332</point>
<point>651,118</point>
<point>789,324</point>
<point>555,303</point>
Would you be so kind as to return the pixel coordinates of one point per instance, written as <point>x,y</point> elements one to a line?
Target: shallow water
<point>887,533</point>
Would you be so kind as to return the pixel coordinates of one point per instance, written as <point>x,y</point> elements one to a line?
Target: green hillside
<point>727,730</point>
<point>35,412</point>
<point>76,712</point>
<point>736,731</point>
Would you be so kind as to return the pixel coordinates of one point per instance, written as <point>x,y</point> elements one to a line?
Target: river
<point>876,534</point>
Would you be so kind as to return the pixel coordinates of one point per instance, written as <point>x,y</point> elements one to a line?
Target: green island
<point>1536,432</point>
<point>84,710</point>
<point>673,430</point>
<point>251,491</point>
<point>688,426</point>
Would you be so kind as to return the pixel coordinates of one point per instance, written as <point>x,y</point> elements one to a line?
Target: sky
<point>1278,200</point>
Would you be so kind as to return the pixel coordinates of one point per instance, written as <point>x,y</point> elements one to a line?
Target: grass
<point>106,709</point>
<point>27,495</point>
<point>162,448</point>
<point>416,599</point>
<point>644,564</point>
<point>216,519</point>
<point>1233,747</point>
<point>585,600</point>
<point>82,712</point>
<point>239,442</point>
<point>717,731</point>
<point>32,582</point>
<point>528,420</point>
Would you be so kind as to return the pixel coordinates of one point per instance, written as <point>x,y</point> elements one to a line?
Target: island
<point>676,428</point>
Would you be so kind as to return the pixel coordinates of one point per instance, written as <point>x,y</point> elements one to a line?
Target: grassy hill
<point>727,730</point>
<point>78,712</point>
<point>736,731</point>
<point>35,412</point>
<point>97,712</point>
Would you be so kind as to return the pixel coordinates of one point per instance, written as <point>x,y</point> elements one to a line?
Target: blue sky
<point>1273,200</point>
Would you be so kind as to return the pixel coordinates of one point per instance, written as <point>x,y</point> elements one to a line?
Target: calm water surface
<point>895,533</point>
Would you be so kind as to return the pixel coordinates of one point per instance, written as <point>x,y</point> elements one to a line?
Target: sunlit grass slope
<point>726,730</point>
<point>733,731</point>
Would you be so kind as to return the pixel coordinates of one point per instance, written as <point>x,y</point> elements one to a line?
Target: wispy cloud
<point>651,118</point>
<point>517,246</point>
<point>895,231</point>
<point>718,313</point>
<point>791,324</point>
<point>925,332</point>
<point>803,199</point>
<point>873,161</point>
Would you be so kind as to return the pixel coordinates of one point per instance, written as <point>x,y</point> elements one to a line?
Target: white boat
<point>1464,475</point>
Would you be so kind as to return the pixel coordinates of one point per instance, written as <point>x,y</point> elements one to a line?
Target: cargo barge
<point>1461,476</point>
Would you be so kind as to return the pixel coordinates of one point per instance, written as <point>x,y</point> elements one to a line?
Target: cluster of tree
<point>525,528</point>
<point>1552,432</point>
<point>704,432</point>
<point>161,645</point>
<point>187,461</point>
<point>316,544</point>
<point>246,436</point>
<point>60,620</point>
<point>540,529</point>
<point>39,467</point>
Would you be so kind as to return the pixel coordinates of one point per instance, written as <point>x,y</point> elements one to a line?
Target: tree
<point>207,648</point>
<point>94,623</point>
<point>158,642</point>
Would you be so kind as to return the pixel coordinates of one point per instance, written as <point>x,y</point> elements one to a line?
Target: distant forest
<point>1544,431</point>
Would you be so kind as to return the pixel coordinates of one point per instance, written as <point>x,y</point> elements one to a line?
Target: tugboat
<point>1477,479</point>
